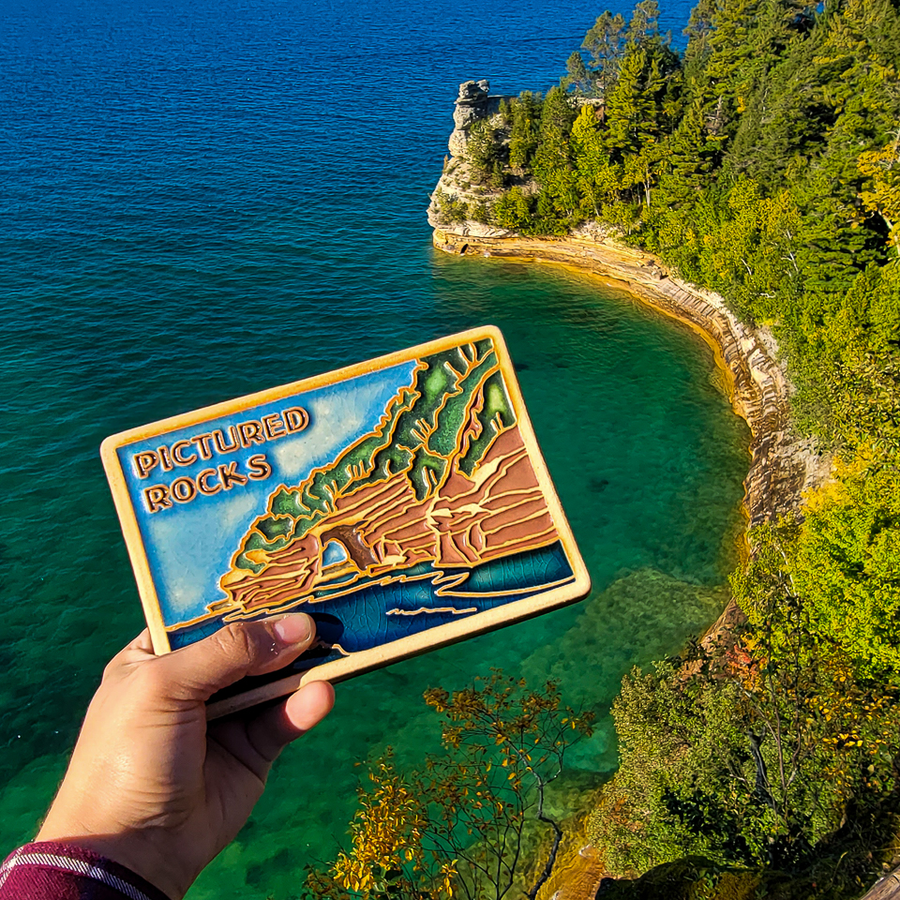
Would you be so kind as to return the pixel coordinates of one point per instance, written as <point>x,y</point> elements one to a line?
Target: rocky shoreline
<point>783,466</point>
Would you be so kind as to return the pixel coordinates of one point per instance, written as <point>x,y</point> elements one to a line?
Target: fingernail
<point>293,628</point>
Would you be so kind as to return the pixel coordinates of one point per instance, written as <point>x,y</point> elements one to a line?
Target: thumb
<point>197,671</point>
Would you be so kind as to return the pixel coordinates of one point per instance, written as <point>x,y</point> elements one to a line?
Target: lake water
<point>199,201</point>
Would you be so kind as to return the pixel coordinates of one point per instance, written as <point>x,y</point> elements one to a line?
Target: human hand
<point>150,785</point>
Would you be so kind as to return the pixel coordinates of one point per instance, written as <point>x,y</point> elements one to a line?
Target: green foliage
<point>751,752</point>
<point>523,139</point>
<point>847,362</point>
<point>846,565</point>
<point>628,106</point>
<point>689,159</point>
<point>450,210</point>
<point>577,78</point>
<point>557,202</point>
<point>763,163</point>
<point>596,178</point>
<point>605,44</point>
<point>479,212</point>
<point>742,243</point>
<point>481,150</point>
<point>882,195</point>
<point>675,740</point>
<point>513,211</point>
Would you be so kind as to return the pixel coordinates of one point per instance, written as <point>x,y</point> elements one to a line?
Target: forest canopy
<point>763,163</point>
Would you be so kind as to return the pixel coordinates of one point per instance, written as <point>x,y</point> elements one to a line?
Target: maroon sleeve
<point>52,871</point>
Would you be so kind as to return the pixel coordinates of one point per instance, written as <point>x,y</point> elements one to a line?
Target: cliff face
<point>458,183</point>
<point>783,465</point>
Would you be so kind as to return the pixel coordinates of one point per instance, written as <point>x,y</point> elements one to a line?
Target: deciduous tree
<point>456,825</point>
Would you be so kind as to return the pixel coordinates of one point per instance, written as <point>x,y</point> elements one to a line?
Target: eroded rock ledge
<point>782,464</point>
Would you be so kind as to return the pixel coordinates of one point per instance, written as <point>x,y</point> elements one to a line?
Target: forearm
<point>153,791</point>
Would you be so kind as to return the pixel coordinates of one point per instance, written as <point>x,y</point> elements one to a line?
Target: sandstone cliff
<point>783,465</point>
<point>458,187</point>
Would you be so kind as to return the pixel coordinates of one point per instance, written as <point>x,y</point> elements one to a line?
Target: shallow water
<point>198,203</point>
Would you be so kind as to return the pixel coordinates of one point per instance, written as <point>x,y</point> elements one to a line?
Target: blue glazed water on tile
<point>198,201</point>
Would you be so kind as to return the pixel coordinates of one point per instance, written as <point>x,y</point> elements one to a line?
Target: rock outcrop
<point>458,183</point>
<point>473,104</point>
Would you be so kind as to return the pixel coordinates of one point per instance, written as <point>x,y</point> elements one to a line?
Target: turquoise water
<point>198,203</point>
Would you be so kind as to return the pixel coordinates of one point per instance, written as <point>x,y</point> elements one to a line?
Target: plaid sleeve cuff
<point>52,871</point>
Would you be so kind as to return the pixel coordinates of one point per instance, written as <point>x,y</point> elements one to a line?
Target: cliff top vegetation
<point>763,163</point>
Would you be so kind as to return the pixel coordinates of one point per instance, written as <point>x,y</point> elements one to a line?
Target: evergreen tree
<point>482,150</point>
<point>523,140</point>
<point>628,106</point>
<point>577,77</point>
<point>605,44</point>
<point>783,118</point>
<point>689,159</point>
<point>513,211</point>
<point>596,179</point>
<point>558,199</point>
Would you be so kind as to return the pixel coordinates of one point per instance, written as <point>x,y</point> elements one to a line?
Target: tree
<point>605,44</point>
<point>847,363</point>
<point>597,181</point>
<point>557,202</point>
<point>482,150</point>
<point>689,159</point>
<point>523,140</point>
<point>882,195</point>
<point>749,752</point>
<point>456,826</point>
<point>450,209</point>
<point>846,564</point>
<point>512,210</point>
<point>628,105</point>
<point>643,29</point>
<point>577,74</point>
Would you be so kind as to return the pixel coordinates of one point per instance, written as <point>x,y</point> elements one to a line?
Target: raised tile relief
<point>402,502</point>
<point>443,482</point>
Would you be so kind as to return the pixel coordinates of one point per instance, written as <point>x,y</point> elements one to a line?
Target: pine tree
<point>512,210</point>
<point>628,106</point>
<point>558,198</point>
<point>688,158</point>
<point>523,139</point>
<point>577,76</point>
<point>605,44</point>
<point>643,29</point>
<point>596,179</point>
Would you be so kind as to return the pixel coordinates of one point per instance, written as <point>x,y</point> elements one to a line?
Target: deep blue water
<point>202,200</point>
